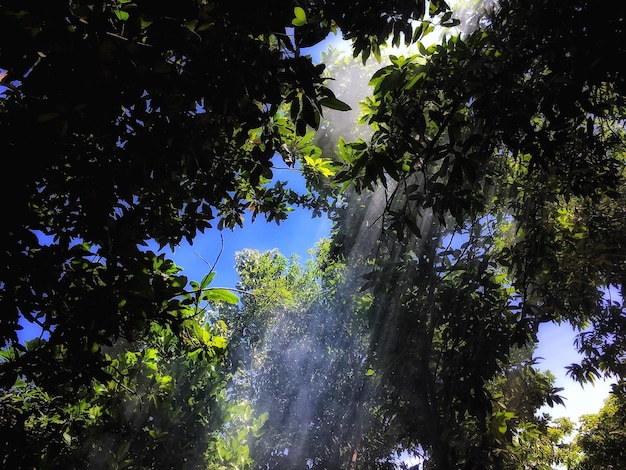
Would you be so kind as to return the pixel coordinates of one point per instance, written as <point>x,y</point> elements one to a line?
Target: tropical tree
<point>599,442</point>
<point>527,438</point>
<point>162,404</point>
<point>301,360</point>
<point>493,155</point>
<point>129,123</point>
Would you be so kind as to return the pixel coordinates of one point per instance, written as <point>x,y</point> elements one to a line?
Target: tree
<point>492,157</point>
<point>525,439</point>
<point>132,122</point>
<point>599,442</point>
<point>145,122</point>
<point>300,347</point>
<point>163,405</point>
<point>302,355</point>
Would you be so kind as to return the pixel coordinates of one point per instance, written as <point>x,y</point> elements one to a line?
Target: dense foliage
<point>299,350</point>
<point>301,358</point>
<point>491,180</point>
<point>158,402</point>
<point>130,122</point>
<point>600,439</point>
<point>481,196</point>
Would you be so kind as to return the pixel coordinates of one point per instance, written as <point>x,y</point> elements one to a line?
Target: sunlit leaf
<point>206,280</point>
<point>221,295</point>
<point>300,17</point>
<point>121,15</point>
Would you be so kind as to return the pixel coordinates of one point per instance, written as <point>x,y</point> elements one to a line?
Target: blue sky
<point>556,347</point>
<point>296,235</point>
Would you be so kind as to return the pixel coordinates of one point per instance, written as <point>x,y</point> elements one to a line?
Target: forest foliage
<point>477,194</point>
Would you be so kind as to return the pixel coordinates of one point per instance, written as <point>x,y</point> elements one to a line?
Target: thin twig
<point>219,255</point>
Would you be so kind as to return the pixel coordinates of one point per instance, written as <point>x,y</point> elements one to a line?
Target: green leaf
<point>311,114</point>
<point>219,342</point>
<point>421,48</point>
<point>376,50</point>
<point>121,15</point>
<point>145,23</point>
<point>221,295</point>
<point>334,103</point>
<point>300,17</point>
<point>206,280</point>
<point>320,165</point>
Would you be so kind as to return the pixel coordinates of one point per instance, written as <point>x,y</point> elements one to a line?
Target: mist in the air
<point>323,346</point>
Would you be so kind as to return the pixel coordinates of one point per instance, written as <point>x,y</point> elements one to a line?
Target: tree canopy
<point>480,196</point>
<point>600,440</point>
<point>128,122</point>
<point>494,156</point>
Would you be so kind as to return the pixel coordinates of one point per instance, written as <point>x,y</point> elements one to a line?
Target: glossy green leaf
<point>121,15</point>
<point>220,295</point>
<point>206,280</point>
<point>300,17</point>
<point>334,103</point>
